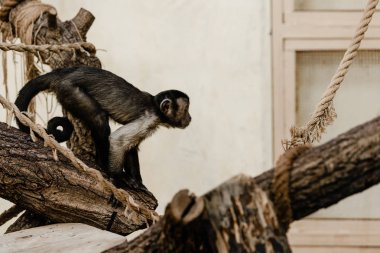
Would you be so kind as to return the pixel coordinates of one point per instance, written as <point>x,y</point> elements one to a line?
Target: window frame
<point>295,31</point>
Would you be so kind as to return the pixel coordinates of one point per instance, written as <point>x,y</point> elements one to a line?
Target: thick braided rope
<point>324,113</point>
<point>119,194</point>
<point>47,48</point>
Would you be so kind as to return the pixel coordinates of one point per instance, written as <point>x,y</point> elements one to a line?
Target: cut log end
<point>83,21</point>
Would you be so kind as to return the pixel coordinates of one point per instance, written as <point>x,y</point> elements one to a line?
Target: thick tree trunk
<point>237,217</point>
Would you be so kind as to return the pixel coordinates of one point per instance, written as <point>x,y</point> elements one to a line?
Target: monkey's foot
<point>128,183</point>
<point>138,191</point>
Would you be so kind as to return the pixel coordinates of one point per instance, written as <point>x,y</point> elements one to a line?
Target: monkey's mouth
<point>184,124</point>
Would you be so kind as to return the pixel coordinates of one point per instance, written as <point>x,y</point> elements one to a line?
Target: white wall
<point>218,52</point>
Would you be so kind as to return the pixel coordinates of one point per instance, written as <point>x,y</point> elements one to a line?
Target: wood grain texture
<point>30,177</point>
<point>236,217</point>
<point>328,173</point>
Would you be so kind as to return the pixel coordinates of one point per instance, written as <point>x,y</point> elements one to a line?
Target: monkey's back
<point>120,99</point>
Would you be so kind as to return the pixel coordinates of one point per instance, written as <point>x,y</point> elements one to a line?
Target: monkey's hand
<point>128,183</point>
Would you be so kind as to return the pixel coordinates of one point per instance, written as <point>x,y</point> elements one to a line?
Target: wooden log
<point>83,21</point>
<point>31,178</point>
<point>328,173</point>
<point>231,220</point>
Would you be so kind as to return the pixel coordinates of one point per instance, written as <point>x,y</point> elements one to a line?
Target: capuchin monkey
<point>93,95</point>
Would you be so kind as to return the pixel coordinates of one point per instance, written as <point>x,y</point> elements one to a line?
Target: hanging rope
<point>324,113</point>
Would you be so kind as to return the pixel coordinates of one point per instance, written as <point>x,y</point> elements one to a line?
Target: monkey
<point>95,95</point>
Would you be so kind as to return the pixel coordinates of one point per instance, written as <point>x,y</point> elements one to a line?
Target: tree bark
<point>31,178</point>
<point>229,218</point>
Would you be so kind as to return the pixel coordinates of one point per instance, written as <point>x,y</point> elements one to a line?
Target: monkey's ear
<point>166,105</point>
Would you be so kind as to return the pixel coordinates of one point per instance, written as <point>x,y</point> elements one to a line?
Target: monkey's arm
<point>132,165</point>
<point>125,168</point>
<point>124,164</point>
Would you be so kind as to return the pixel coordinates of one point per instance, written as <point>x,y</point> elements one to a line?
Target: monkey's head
<point>173,106</point>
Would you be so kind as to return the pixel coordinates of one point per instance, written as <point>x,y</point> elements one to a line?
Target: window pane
<point>329,5</point>
<point>356,101</point>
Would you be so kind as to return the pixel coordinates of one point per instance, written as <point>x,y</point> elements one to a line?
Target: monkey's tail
<point>60,135</point>
<point>27,93</point>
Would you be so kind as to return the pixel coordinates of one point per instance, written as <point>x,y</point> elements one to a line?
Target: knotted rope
<point>324,113</point>
<point>280,184</point>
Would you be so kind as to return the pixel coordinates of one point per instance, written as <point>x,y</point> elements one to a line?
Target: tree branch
<point>31,178</point>
<point>83,21</point>
<point>324,175</point>
<point>231,220</point>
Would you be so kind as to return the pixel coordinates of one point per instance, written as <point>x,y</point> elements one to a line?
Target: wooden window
<point>328,5</point>
<point>309,40</point>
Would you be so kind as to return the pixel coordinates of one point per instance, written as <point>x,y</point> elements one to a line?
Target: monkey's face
<point>176,111</point>
<point>182,115</point>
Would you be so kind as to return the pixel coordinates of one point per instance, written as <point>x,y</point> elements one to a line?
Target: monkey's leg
<point>84,107</point>
<point>132,167</point>
<point>124,163</point>
<point>120,164</point>
<point>130,176</point>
